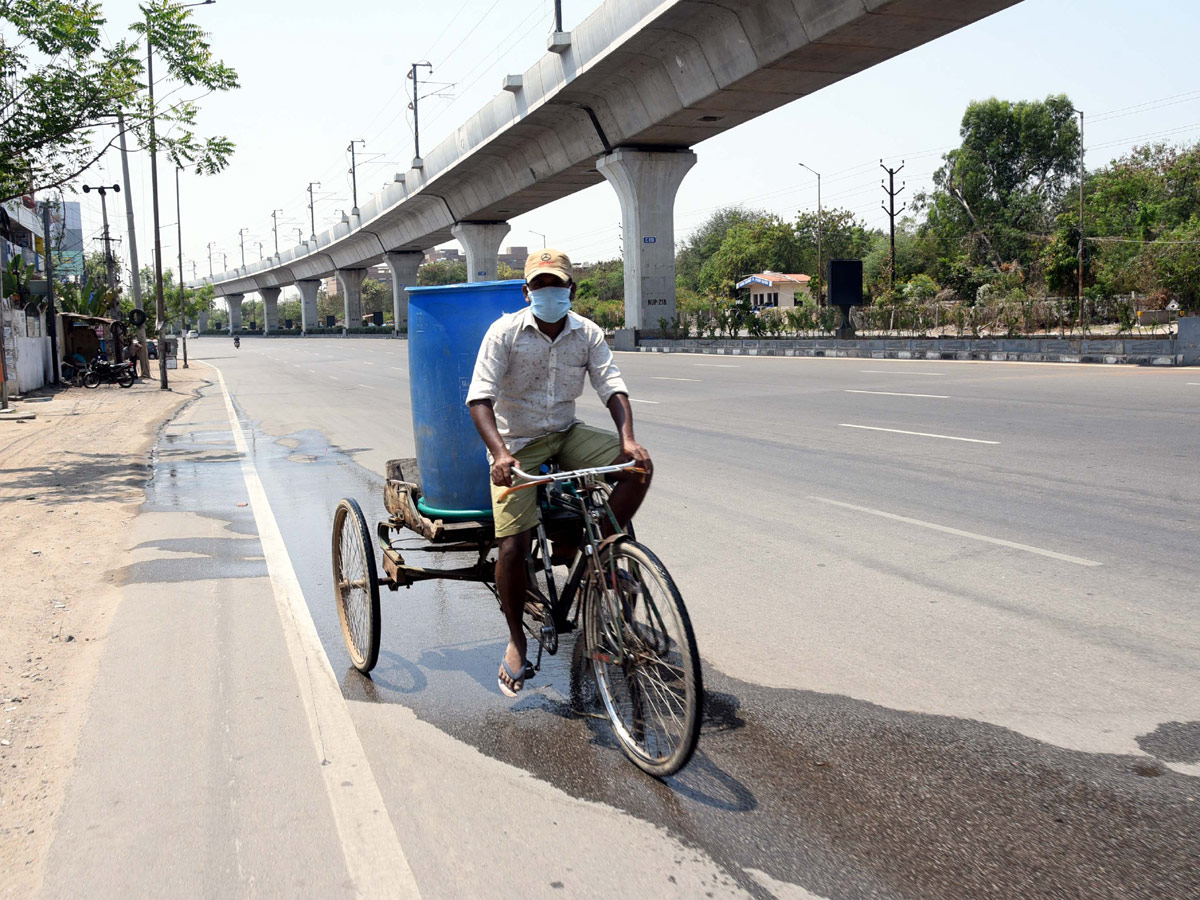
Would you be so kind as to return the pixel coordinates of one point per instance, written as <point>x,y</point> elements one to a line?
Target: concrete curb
<point>1141,352</point>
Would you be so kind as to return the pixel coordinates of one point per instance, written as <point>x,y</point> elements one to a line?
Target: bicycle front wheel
<point>355,586</point>
<point>644,658</point>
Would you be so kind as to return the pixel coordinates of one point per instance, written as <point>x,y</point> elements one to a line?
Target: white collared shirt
<point>533,382</point>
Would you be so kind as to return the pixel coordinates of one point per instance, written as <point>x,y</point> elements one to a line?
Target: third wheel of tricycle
<point>355,586</point>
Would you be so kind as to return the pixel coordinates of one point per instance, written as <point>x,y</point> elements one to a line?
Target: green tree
<point>443,271</point>
<point>750,247</point>
<point>603,283</point>
<point>704,242</point>
<point>1002,184</point>
<point>61,86</point>
<point>376,296</point>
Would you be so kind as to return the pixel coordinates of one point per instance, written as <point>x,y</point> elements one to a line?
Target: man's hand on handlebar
<point>502,467</point>
<point>632,450</point>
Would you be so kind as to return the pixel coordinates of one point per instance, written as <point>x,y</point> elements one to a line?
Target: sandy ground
<point>71,482</point>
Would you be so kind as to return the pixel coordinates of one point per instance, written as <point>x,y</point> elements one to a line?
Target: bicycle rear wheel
<point>644,658</point>
<point>355,585</point>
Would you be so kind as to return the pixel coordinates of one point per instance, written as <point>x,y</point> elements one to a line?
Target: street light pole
<point>1079,261</point>
<point>211,277</point>
<point>539,234</point>
<point>275,228</point>
<point>183,324</point>
<point>242,241</point>
<point>820,258</point>
<point>354,176</point>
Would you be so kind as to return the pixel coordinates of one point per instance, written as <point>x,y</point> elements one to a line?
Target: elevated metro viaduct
<point>624,97</point>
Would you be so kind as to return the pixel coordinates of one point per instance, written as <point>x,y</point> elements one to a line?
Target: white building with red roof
<point>776,289</point>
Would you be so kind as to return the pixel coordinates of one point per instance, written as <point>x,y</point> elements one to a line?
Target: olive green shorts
<point>579,447</point>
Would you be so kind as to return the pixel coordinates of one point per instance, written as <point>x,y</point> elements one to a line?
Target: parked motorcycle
<point>102,371</point>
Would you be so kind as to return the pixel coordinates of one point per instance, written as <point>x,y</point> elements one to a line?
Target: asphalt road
<point>947,612</point>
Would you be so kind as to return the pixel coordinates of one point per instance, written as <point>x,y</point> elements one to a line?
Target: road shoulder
<point>72,481</point>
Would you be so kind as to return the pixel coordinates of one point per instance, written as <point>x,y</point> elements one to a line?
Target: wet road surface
<point>843,797</point>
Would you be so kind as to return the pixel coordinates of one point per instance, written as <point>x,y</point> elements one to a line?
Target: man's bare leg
<point>627,496</point>
<point>511,583</point>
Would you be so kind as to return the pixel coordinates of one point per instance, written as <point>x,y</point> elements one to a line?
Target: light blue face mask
<point>550,303</point>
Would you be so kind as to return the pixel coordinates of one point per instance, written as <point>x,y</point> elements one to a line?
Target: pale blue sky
<point>317,74</point>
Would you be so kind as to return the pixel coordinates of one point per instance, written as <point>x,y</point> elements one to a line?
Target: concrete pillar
<point>235,311</point>
<point>403,267</point>
<point>350,287</point>
<point>646,183</point>
<point>481,242</point>
<point>308,304</point>
<point>202,323</point>
<point>270,298</point>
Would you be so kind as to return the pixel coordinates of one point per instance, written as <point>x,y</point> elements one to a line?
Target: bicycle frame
<point>590,501</point>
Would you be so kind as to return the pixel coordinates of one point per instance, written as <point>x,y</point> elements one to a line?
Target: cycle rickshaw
<point>611,590</point>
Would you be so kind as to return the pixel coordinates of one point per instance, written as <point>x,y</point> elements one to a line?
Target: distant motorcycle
<point>101,371</point>
<point>237,343</point>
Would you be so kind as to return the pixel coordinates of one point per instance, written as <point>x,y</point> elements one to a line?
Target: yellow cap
<point>551,261</point>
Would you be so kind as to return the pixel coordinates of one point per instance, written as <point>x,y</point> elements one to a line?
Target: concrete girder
<point>234,302</point>
<point>308,303</point>
<point>481,241</point>
<point>270,299</point>
<point>350,287</point>
<point>646,184</point>
<point>403,267</point>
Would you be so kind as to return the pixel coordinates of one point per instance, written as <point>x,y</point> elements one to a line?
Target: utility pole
<point>211,277</point>
<point>312,219</point>
<point>183,323</point>
<point>890,209</point>
<point>354,176</point>
<point>51,325</point>
<point>160,300</point>
<point>225,260</point>
<point>820,258</point>
<point>110,264</point>
<point>135,277</point>
<point>275,228</point>
<point>242,240</point>
<point>417,162</point>
<point>299,235</point>
<point>260,253</point>
<point>557,16</point>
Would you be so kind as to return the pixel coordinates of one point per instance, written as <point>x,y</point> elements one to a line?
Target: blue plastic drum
<point>446,325</point>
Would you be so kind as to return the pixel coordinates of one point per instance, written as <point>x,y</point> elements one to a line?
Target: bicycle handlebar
<point>573,475</point>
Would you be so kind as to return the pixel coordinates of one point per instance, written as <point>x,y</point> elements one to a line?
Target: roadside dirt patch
<point>71,482</point>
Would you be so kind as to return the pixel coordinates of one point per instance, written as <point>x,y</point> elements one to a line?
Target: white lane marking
<point>335,378</point>
<point>902,372</point>
<point>635,400</point>
<point>395,368</point>
<point>1194,383</point>
<point>375,859</point>
<point>367,386</point>
<point>365,363</point>
<point>1077,560</point>
<point>669,378</point>
<point>899,394</point>
<point>314,371</point>
<point>944,437</point>
<point>715,366</point>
